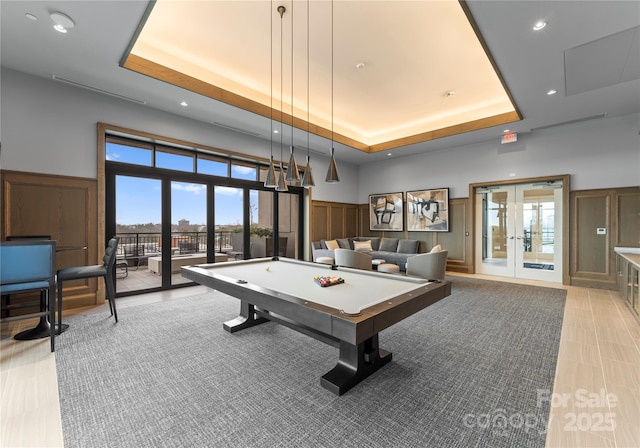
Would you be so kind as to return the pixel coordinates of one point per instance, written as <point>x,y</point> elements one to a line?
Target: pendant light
<point>282,185</point>
<point>293,175</point>
<point>332,171</point>
<point>270,181</point>
<point>307,177</point>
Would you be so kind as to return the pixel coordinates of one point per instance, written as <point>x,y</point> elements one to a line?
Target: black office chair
<point>106,270</point>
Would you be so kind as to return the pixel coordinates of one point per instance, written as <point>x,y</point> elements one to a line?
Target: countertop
<point>632,254</point>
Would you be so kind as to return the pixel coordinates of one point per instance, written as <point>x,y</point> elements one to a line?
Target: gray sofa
<point>392,250</point>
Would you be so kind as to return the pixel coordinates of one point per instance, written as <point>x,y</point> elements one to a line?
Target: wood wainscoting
<point>64,208</point>
<point>617,211</point>
<point>457,240</point>
<point>331,220</point>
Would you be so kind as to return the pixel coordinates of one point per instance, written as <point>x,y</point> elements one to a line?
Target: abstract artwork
<point>428,210</point>
<point>386,212</point>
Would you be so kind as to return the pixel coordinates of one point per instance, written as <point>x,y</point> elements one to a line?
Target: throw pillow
<point>332,245</point>
<point>408,247</point>
<point>375,242</point>
<point>436,248</point>
<point>362,246</point>
<point>344,243</point>
<point>388,244</point>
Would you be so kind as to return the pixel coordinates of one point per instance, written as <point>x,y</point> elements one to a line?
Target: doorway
<point>519,229</point>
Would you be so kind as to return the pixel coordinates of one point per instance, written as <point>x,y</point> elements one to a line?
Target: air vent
<point>578,120</point>
<point>233,128</point>
<point>96,89</point>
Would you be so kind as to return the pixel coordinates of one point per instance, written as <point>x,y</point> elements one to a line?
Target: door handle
<point>510,237</point>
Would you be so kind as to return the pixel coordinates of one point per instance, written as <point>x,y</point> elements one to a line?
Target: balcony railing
<point>141,245</point>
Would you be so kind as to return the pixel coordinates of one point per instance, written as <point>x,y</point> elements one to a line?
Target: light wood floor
<point>595,401</point>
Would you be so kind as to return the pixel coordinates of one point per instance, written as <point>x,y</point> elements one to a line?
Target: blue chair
<point>6,306</point>
<point>105,270</point>
<point>29,266</point>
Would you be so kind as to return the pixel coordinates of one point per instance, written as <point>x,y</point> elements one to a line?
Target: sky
<point>138,200</point>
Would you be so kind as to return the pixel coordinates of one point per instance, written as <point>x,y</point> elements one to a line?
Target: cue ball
<point>266,268</point>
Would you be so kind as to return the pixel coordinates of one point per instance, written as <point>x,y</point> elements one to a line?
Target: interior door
<point>520,231</point>
<point>538,232</point>
<point>495,224</point>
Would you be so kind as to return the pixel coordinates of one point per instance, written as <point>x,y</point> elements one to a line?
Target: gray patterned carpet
<point>465,373</point>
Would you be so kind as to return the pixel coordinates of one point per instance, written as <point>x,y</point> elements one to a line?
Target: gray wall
<point>51,128</point>
<point>597,154</point>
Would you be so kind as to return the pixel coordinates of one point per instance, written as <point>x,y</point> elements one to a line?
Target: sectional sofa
<point>392,250</point>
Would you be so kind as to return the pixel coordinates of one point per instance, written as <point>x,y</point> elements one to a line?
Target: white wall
<point>597,154</point>
<point>51,128</point>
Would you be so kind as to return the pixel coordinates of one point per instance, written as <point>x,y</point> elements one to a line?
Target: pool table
<point>347,315</point>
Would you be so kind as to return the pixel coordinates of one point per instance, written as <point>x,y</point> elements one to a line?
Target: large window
<point>174,206</point>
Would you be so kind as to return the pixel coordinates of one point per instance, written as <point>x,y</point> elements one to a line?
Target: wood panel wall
<point>331,220</point>
<point>64,208</point>
<point>592,259</point>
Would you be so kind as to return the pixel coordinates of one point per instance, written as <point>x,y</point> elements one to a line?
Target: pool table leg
<point>356,363</point>
<point>246,319</point>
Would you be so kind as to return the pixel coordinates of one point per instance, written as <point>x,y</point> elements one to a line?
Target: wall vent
<point>578,120</point>
<point>95,89</point>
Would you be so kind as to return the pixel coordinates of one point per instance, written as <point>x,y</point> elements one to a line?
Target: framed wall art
<point>428,210</point>
<point>386,212</point>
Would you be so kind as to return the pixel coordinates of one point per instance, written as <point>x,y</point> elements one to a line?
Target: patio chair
<point>237,246</point>
<point>134,253</point>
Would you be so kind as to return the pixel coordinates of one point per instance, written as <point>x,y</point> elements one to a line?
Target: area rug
<point>466,372</point>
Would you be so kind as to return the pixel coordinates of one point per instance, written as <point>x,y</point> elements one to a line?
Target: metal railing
<point>145,244</point>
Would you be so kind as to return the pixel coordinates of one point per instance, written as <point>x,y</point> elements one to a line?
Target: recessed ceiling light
<point>184,104</point>
<point>506,131</point>
<point>389,154</point>
<point>449,94</point>
<point>360,65</point>
<point>30,16</point>
<point>275,131</point>
<point>552,92</point>
<point>62,22</point>
<point>539,25</point>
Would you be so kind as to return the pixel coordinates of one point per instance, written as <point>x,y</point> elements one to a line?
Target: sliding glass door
<point>229,218</point>
<point>173,207</point>
<point>138,223</point>
<point>188,228</point>
<point>520,231</point>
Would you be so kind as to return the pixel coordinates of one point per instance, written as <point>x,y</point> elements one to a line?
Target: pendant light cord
<point>271,83</point>
<point>332,75</point>
<point>308,83</point>
<point>292,76</point>
<point>281,89</point>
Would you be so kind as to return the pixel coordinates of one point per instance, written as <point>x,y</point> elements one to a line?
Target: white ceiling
<point>394,98</point>
<point>531,63</point>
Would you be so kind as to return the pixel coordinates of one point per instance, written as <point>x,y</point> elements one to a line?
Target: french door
<point>520,231</point>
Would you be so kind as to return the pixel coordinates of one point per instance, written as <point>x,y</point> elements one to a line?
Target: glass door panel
<point>229,219</point>
<point>138,209</point>
<point>520,231</point>
<point>288,222</point>
<point>539,232</point>
<point>188,227</point>
<point>261,223</point>
<point>495,221</point>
